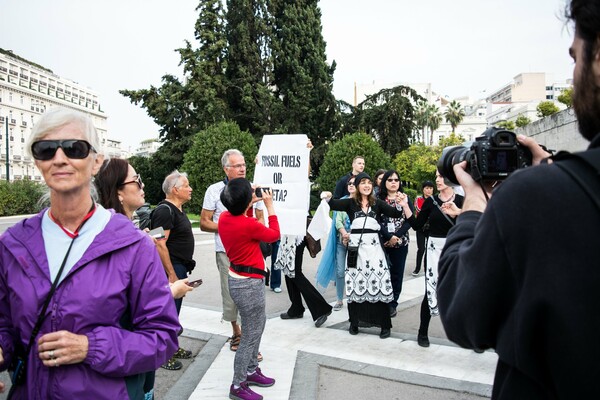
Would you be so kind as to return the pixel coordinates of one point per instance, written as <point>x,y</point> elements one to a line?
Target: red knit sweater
<point>241,236</point>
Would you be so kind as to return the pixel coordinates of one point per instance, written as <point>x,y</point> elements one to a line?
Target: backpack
<point>142,217</point>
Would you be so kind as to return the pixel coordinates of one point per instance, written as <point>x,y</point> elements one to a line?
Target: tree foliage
<point>434,119</point>
<point>389,117</point>
<point>566,97</point>
<point>202,161</point>
<point>339,156</point>
<point>522,121</point>
<point>454,114</point>
<point>546,108</point>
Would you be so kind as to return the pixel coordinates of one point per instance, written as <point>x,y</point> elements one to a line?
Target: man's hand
<point>474,198</point>
<point>536,150</point>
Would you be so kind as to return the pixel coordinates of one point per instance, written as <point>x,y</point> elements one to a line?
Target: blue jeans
<point>340,270</point>
<point>181,273</point>
<point>397,258</point>
<point>275,273</point>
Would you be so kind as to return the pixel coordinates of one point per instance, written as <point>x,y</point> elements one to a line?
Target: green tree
<point>416,164</point>
<point>338,159</point>
<point>302,78</point>
<point>451,140</point>
<point>546,108</point>
<point>508,125</point>
<point>250,67</point>
<point>182,109</point>
<point>20,197</point>
<point>522,121</point>
<point>434,119</point>
<point>152,177</point>
<point>421,117</point>
<point>566,97</point>
<point>389,116</point>
<point>454,114</point>
<point>202,161</point>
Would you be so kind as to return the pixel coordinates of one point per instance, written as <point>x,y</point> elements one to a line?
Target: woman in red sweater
<point>241,236</point>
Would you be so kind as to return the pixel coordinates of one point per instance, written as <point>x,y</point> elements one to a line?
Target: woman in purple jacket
<point>85,307</point>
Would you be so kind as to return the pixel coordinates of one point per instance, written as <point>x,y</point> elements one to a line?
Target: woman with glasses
<point>73,276</point>
<point>368,285</point>
<point>394,232</point>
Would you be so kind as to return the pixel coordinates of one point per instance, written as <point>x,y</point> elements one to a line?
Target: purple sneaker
<point>257,378</point>
<point>243,393</point>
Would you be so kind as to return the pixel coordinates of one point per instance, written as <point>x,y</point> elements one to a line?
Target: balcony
<point>17,157</point>
<point>13,121</point>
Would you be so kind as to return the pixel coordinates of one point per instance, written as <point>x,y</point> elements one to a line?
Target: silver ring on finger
<point>55,363</point>
<point>51,354</point>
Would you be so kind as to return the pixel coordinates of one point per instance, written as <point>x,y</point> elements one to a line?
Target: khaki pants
<point>230,311</point>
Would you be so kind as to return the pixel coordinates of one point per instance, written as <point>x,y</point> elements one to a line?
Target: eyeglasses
<point>350,183</point>
<point>45,150</point>
<point>237,166</point>
<point>393,180</point>
<point>137,180</point>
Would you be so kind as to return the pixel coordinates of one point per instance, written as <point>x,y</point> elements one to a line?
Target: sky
<point>461,47</point>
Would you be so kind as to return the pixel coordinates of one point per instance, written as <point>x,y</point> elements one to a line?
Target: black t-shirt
<point>181,239</point>
<point>438,224</point>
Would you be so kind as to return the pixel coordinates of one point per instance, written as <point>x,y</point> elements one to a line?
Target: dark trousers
<point>181,273</point>
<point>425,317</point>
<point>421,248</point>
<point>397,256</point>
<point>275,279</point>
<point>299,287</point>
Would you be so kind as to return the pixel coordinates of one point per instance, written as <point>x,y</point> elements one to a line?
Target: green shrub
<point>339,156</point>
<point>20,197</point>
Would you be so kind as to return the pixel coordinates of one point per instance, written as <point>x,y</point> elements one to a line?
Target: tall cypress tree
<point>250,66</point>
<point>303,79</point>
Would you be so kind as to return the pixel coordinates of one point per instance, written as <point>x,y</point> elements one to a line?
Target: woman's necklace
<point>448,199</point>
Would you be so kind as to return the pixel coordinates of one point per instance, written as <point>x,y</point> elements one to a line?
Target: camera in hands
<point>493,156</point>
<point>258,191</point>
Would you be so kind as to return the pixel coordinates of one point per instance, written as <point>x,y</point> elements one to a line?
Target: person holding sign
<point>368,283</point>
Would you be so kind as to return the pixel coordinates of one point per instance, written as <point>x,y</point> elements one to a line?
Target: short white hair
<point>172,180</point>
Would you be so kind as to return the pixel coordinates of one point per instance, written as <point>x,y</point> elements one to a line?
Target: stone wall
<point>557,132</point>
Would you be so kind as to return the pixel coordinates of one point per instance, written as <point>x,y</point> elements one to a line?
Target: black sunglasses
<point>137,180</point>
<point>393,180</point>
<point>46,149</point>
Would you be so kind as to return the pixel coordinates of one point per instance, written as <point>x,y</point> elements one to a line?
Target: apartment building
<point>26,91</point>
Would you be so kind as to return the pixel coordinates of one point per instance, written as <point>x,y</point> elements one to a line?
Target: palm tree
<point>454,114</point>
<point>421,118</point>
<point>434,119</point>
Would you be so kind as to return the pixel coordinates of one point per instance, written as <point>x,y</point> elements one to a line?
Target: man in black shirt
<point>176,250</point>
<point>520,274</point>
<point>341,187</point>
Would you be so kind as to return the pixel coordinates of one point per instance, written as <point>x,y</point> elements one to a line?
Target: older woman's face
<point>131,191</point>
<point>63,174</point>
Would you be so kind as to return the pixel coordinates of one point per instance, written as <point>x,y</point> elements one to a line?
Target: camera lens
<point>451,156</point>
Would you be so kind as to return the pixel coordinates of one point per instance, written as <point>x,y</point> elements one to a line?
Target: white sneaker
<point>338,306</point>
<point>277,290</point>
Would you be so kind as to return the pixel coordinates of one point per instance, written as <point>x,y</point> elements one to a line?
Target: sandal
<point>172,365</point>
<point>259,357</point>
<point>182,354</point>
<point>234,342</point>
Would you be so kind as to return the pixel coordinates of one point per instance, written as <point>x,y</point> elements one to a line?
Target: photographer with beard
<point>516,278</point>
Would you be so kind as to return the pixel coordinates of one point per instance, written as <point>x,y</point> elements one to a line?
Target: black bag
<point>265,249</point>
<point>352,257</point>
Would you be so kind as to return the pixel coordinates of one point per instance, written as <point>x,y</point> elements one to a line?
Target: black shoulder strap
<point>584,168</point>
<point>443,213</point>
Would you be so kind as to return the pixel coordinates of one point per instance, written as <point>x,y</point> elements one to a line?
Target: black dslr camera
<point>493,156</point>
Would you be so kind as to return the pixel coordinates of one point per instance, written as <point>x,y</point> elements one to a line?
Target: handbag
<point>352,251</point>
<point>265,249</point>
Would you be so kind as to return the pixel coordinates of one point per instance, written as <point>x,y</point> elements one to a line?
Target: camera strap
<point>443,213</point>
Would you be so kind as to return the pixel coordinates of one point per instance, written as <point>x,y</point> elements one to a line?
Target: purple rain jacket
<point>120,271</point>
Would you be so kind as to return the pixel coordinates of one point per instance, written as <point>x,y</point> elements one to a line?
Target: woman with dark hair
<point>378,177</point>
<point>368,284</point>
<point>394,232</point>
<point>85,309</point>
<point>241,238</point>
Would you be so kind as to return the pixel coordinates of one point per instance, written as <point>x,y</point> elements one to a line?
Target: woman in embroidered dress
<point>440,223</point>
<point>368,286</point>
<point>394,233</point>
<point>106,274</point>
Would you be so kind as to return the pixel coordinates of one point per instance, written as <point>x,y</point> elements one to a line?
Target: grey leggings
<point>249,297</point>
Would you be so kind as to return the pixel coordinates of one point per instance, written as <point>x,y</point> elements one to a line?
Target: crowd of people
<point>90,297</point>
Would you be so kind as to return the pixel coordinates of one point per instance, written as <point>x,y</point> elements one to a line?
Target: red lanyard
<point>73,235</point>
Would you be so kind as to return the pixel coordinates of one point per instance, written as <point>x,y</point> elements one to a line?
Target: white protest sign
<point>283,165</point>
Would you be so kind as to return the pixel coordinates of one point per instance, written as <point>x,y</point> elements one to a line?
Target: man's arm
<point>260,215</point>
<point>206,221</point>
<point>163,252</point>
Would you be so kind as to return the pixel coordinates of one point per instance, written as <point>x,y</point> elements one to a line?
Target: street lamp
<point>7,149</point>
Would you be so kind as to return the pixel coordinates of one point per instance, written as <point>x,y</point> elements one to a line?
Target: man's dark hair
<point>237,195</point>
<point>383,191</point>
<point>586,15</point>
